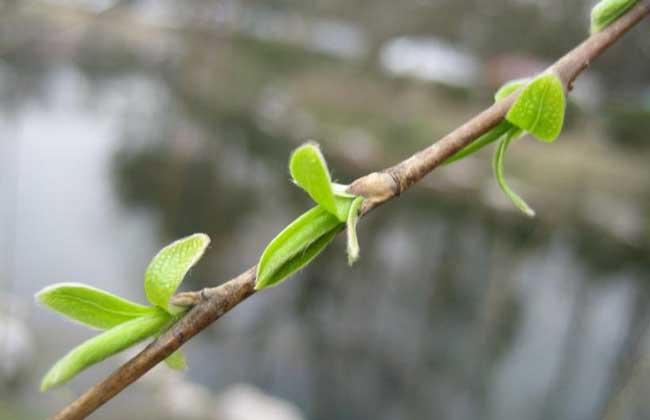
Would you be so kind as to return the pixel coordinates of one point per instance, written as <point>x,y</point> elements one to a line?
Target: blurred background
<point>127,124</point>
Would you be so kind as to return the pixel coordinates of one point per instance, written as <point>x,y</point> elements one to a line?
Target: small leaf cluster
<point>538,110</point>
<point>307,236</point>
<point>124,323</point>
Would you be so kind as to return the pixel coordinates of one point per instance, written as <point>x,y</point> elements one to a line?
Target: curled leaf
<point>540,107</point>
<point>168,268</point>
<point>90,306</point>
<point>309,170</point>
<point>353,241</point>
<point>105,345</point>
<point>296,246</point>
<point>607,12</point>
<point>498,168</point>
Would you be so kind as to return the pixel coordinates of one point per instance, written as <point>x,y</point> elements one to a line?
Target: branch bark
<point>378,187</point>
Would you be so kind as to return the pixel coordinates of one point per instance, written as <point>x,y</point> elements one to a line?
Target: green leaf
<point>343,206</point>
<point>90,306</point>
<point>105,345</point>
<point>301,260</point>
<point>168,268</point>
<point>176,361</point>
<point>539,109</point>
<point>510,87</point>
<point>607,12</point>
<point>353,241</point>
<point>494,134</point>
<point>498,168</point>
<point>296,246</point>
<point>309,170</point>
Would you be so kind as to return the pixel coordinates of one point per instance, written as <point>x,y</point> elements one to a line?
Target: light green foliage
<point>343,207</point>
<point>296,246</point>
<point>540,107</point>
<point>300,242</point>
<point>126,323</point>
<point>607,12</point>
<point>510,87</point>
<point>309,252</point>
<point>176,361</point>
<point>105,345</point>
<point>309,170</point>
<point>539,110</point>
<point>498,169</point>
<point>90,306</point>
<point>168,268</point>
<point>353,242</point>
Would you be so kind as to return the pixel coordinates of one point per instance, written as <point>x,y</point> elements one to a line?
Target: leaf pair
<point>538,110</point>
<point>607,12</point>
<point>307,236</point>
<point>125,323</point>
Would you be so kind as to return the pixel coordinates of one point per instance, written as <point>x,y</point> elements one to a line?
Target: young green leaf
<point>105,345</point>
<point>498,168</point>
<point>353,241</point>
<point>309,170</point>
<point>510,87</point>
<point>176,361</point>
<point>343,206</point>
<point>296,246</point>
<point>539,109</point>
<point>90,306</point>
<point>301,260</point>
<point>608,11</point>
<point>168,268</point>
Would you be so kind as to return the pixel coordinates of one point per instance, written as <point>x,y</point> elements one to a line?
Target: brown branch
<point>378,187</point>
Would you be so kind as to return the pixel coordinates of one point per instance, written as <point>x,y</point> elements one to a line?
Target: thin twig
<point>378,187</point>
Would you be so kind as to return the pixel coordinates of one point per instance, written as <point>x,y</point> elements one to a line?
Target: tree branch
<point>378,187</point>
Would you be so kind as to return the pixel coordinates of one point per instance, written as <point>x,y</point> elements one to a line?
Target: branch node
<point>187,299</point>
<point>376,187</point>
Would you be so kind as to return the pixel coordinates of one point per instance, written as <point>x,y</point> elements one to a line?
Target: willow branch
<point>378,187</point>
